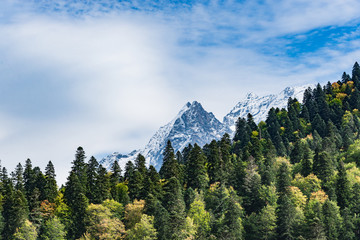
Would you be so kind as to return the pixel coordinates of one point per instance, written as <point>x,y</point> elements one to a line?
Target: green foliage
<point>133,212</point>
<point>53,229</point>
<point>197,177</point>
<point>170,166</point>
<point>286,172</point>
<point>101,223</point>
<point>143,230</point>
<point>25,232</point>
<point>200,217</point>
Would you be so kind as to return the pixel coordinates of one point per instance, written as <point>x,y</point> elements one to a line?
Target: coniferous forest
<point>294,176</point>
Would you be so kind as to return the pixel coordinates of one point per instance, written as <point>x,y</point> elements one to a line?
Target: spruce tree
<point>115,178</point>
<point>332,220</point>
<point>79,167</point>
<point>343,190</point>
<point>77,202</point>
<point>102,185</point>
<point>197,177</point>
<point>129,170</point>
<point>50,185</point>
<point>175,206</point>
<point>170,167</point>
<point>29,179</point>
<point>92,175</point>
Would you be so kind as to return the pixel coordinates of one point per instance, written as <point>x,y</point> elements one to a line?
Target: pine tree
<point>348,230</point>
<point>50,186</point>
<point>242,132</point>
<point>196,169</point>
<point>215,164</point>
<point>92,175</point>
<point>79,167</point>
<point>162,217</point>
<point>283,179</point>
<point>29,179</point>
<point>343,190</point>
<point>297,152</point>
<point>231,225</point>
<point>170,167</point>
<point>332,220</point>
<point>322,166</point>
<point>77,202</point>
<point>14,210</point>
<point>306,161</point>
<point>102,185</point>
<point>115,178</point>
<point>252,183</point>
<point>175,206</point>
<point>129,170</point>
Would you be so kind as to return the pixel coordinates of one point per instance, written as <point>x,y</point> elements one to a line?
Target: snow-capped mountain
<point>260,106</point>
<point>191,125</point>
<point>195,125</point>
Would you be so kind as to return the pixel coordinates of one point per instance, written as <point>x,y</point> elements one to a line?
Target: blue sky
<point>107,74</point>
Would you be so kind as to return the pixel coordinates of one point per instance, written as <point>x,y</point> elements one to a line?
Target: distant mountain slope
<point>260,106</point>
<point>193,124</point>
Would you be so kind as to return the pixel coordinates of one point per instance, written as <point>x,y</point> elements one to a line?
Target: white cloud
<point>108,81</point>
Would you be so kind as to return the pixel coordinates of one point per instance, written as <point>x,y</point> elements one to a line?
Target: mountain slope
<point>191,125</point>
<point>195,125</point>
<point>260,106</point>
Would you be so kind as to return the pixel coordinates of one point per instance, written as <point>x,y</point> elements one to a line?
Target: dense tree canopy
<point>295,175</point>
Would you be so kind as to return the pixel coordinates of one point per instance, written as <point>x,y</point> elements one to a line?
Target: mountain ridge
<point>193,124</point>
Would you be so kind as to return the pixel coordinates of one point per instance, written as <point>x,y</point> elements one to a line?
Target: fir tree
<point>175,206</point>
<point>50,185</point>
<point>196,170</point>
<point>170,167</point>
<point>77,202</point>
<point>343,190</point>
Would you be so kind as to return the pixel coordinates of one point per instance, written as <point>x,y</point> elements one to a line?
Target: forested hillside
<point>294,176</point>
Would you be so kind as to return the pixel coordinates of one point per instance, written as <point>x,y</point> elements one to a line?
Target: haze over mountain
<point>193,124</point>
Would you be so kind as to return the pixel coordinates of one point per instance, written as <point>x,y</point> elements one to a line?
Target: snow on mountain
<point>195,125</point>
<point>260,106</point>
<point>191,125</point>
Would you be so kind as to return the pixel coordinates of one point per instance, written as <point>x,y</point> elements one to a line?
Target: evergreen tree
<point>348,230</point>
<point>102,185</point>
<point>252,183</point>
<point>175,206</point>
<point>306,161</point>
<point>332,220</point>
<point>29,179</point>
<point>297,152</point>
<point>231,225</point>
<point>18,178</point>
<point>215,163</point>
<point>242,132</point>
<point>77,202</point>
<point>170,167</point>
<point>343,190</point>
<point>129,170</point>
<point>115,178</point>
<point>92,175</point>
<point>79,167</point>
<point>196,169</point>
<point>322,166</point>
<point>50,185</point>
<point>14,210</point>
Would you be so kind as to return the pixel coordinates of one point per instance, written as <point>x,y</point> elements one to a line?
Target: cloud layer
<point>106,75</point>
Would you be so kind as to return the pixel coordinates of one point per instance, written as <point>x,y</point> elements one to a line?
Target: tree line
<point>295,175</point>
